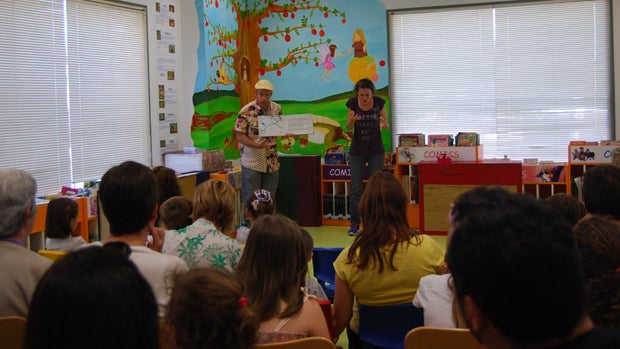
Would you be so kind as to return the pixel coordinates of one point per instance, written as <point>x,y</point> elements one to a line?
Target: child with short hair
<point>312,286</point>
<point>60,225</point>
<point>175,213</point>
<point>259,203</point>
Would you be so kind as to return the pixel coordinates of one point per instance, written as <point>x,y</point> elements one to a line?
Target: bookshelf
<point>440,184</point>
<point>335,191</point>
<point>406,169</point>
<point>544,179</point>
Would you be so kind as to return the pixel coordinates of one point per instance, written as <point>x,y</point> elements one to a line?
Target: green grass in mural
<point>223,102</point>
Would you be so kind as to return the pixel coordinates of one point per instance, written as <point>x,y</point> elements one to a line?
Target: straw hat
<point>264,85</point>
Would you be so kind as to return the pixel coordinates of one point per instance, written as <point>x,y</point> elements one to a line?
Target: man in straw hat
<point>259,155</point>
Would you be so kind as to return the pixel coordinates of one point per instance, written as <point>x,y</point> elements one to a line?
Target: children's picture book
<point>440,140</point>
<point>467,139</point>
<point>411,140</point>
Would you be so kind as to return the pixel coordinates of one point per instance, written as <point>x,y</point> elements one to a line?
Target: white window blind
<point>528,77</point>
<point>74,93</point>
<point>108,87</point>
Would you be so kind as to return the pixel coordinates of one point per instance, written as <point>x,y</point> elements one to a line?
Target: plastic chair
<point>304,343</point>
<point>441,338</point>
<point>12,332</point>
<point>323,265</point>
<point>53,255</point>
<point>386,326</point>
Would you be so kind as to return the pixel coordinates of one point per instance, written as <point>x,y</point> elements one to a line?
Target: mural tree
<point>238,60</point>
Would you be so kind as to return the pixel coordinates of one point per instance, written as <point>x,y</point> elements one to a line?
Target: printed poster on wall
<point>166,76</point>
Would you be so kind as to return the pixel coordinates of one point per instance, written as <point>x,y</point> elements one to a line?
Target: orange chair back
<point>441,338</point>
<point>12,332</point>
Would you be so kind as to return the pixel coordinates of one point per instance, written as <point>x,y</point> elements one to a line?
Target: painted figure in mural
<point>367,116</point>
<point>259,155</point>
<point>362,65</point>
<point>328,53</point>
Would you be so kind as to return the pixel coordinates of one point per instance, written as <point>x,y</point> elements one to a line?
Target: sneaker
<point>353,229</point>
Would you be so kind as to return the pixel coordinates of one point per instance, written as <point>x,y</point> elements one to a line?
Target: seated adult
<point>20,268</point>
<point>128,197</point>
<point>598,240</point>
<point>208,309</point>
<point>518,277</point>
<point>94,297</point>
<point>273,269</point>
<point>204,244</point>
<point>384,264</point>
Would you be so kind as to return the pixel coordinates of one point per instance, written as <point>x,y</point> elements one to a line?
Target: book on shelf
<point>340,206</point>
<point>410,184</point>
<point>328,206</point>
<point>411,140</point>
<point>467,139</point>
<point>413,189</point>
<point>440,140</point>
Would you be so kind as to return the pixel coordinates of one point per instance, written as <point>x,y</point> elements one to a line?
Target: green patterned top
<point>201,245</point>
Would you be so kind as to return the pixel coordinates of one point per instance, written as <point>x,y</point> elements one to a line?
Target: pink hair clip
<point>243,302</point>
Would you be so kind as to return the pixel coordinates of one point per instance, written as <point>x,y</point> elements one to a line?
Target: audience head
<point>128,196</point>
<point>259,202</point>
<point>167,183</point>
<point>17,202</point>
<point>176,213</point>
<point>94,297</point>
<point>383,204</point>
<point>517,249</point>
<point>274,277</point>
<point>61,218</point>
<point>598,240</point>
<point>383,208</point>
<point>207,309</point>
<point>567,206</point>
<point>601,190</point>
<point>216,201</point>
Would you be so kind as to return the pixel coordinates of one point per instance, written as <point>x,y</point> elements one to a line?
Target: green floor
<point>336,236</point>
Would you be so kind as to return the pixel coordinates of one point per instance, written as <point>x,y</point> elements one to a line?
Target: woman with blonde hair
<point>205,243</point>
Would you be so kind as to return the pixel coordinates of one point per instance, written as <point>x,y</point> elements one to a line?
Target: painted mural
<point>313,51</point>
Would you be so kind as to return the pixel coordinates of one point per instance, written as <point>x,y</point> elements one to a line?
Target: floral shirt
<point>261,160</point>
<point>201,245</point>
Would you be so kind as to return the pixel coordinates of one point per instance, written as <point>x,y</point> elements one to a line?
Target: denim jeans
<point>251,181</point>
<point>375,164</point>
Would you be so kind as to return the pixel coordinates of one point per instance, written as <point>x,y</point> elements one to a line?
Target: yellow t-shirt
<point>391,286</point>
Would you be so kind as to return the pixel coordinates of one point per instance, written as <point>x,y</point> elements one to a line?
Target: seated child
<point>258,204</point>
<point>312,286</point>
<point>208,309</point>
<point>175,213</point>
<point>61,224</point>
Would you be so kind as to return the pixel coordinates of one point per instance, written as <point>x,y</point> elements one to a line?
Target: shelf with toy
<point>543,179</point>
